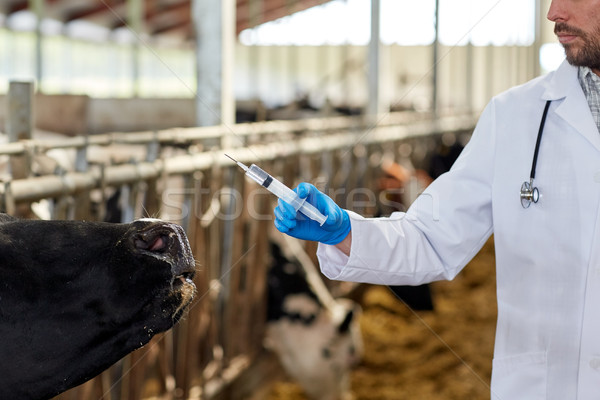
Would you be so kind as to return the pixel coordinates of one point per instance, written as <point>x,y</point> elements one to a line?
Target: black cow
<point>75,297</point>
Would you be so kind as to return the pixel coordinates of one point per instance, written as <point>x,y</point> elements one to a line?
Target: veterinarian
<point>531,176</point>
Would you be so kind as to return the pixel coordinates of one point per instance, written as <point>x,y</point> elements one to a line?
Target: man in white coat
<point>547,255</point>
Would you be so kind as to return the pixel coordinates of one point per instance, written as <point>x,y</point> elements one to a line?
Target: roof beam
<point>16,6</point>
<point>270,10</point>
<point>105,6</point>
<point>158,17</point>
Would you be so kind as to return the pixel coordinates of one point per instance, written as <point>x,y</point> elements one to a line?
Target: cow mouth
<point>185,287</point>
<point>183,280</point>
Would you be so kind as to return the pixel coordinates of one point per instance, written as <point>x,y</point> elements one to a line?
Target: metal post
<point>214,23</point>
<point>436,50</point>
<point>469,70</point>
<point>541,8</point>
<point>490,75</point>
<point>228,61</point>
<point>293,56</point>
<point>537,39</point>
<point>37,6</point>
<point>255,14</point>
<point>135,17</point>
<point>373,107</point>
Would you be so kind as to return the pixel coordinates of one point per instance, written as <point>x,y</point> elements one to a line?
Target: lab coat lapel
<point>573,108</point>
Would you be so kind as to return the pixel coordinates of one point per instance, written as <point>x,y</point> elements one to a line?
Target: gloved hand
<point>294,223</point>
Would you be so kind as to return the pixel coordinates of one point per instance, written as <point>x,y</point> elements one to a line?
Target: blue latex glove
<point>289,221</point>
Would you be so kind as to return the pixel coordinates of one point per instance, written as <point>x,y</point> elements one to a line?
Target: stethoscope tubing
<point>530,193</point>
<point>539,140</point>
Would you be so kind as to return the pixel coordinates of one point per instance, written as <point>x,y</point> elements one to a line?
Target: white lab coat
<point>547,256</point>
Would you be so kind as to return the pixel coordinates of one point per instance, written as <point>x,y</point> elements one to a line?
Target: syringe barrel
<point>286,194</point>
<point>289,196</point>
<point>313,213</point>
<point>257,174</point>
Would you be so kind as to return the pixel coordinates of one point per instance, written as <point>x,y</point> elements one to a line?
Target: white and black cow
<point>75,297</point>
<point>316,338</point>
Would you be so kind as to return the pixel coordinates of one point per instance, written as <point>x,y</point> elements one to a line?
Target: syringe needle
<point>231,158</point>
<point>242,166</point>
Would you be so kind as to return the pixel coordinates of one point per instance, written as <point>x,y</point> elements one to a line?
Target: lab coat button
<point>595,363</point>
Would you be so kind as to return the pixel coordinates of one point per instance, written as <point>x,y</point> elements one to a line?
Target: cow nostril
<point>158,244</point>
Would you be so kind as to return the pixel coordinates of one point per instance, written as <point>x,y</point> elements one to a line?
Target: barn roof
<point>161,17</point>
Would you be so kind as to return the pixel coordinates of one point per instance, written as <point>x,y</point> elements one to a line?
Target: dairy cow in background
<point>317,338</point>
<point>75,297</point>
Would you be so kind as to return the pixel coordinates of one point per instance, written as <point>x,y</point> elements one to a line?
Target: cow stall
<point>182,175</point>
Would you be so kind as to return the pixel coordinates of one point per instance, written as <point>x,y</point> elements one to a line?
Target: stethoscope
<point>530,193</point>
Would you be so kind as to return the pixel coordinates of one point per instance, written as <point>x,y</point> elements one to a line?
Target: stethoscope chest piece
<point>529,194</point>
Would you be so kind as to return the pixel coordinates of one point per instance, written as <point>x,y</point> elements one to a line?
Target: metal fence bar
<point>36,188</point>
<point>186,136</point>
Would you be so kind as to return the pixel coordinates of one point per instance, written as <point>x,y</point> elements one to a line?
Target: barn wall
<point>76,114</point>
<point>67,114</point>
<point>130,115</point>
<point>278,75</point>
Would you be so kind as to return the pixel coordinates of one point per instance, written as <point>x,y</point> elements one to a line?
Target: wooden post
<point>153,196</point>
<point>82,201</point>
<point>19,124</point>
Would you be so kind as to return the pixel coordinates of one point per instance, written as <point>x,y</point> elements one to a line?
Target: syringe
<point>281,191</point>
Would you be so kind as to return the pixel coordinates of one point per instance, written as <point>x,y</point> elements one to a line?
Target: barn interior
<point>113,110</point>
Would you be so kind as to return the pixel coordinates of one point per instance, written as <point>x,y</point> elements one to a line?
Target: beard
<point>585,55</point>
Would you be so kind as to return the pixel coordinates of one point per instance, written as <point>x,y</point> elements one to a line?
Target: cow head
<point>75,297</point>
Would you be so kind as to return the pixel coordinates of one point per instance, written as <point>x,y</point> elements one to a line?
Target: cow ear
<point>344,327</point>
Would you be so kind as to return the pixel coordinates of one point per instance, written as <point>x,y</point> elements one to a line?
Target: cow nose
<point>165,241</point>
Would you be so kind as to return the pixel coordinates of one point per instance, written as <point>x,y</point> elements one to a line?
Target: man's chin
<point>573,56</point>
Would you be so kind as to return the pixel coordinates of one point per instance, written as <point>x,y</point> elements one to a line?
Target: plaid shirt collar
<point>590,83</point>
